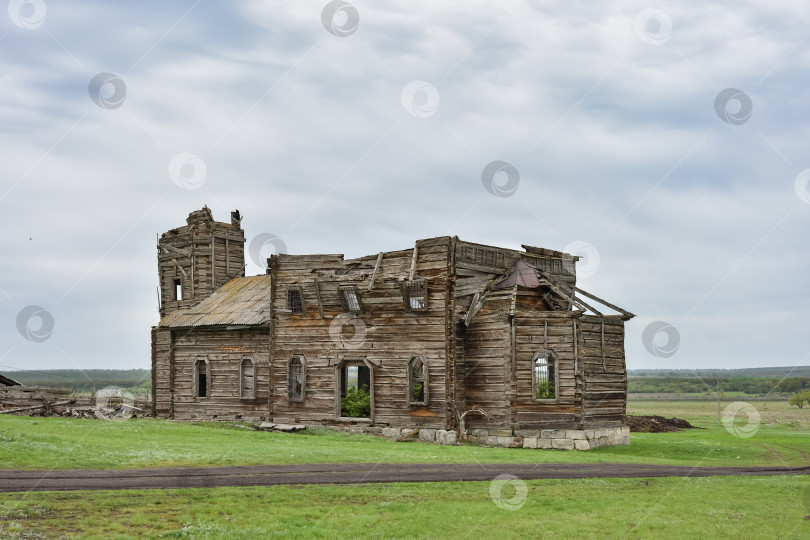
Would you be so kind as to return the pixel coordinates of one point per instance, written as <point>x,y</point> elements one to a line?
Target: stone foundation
<point>555,439</point>
<point>561,439</point>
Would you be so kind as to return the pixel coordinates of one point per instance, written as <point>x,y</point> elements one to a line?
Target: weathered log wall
<point>384,333</point>
<point>203,255</point>
<point>487,370</point>
<point>224,349</point>
<point>550,331</point>
<point>601,359</point>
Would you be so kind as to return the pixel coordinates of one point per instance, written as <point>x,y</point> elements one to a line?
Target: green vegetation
<point>743,385</point>
<point>544,390</point>
<point>768,372</point>
<point>137,381</point>
<point>63,443</point>
<point>600,508</point>
<point>356,403</point>
<point>799,398</point>
<point>751,507</point>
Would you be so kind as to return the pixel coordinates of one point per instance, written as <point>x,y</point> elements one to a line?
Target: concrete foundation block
<point>529,442</point>
<point>582,444</point>
<point>562,444</point>
<point>446,436</point>
<point>553,434</point>
<point>427,434</point>
<point>544,443</point>
<point>391,433</point>
<point>574,434</point>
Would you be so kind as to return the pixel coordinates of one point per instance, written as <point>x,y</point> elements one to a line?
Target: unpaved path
<point>350,473</point>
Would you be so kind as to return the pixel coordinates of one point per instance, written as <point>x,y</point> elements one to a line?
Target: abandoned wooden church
<point>447,337</point>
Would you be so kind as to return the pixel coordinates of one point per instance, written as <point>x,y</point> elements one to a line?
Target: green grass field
<point>763,507</point>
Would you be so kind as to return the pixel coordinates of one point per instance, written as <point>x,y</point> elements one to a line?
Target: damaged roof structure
<point>442,340</point>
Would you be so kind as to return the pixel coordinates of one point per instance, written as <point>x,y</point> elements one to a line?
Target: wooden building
<point>442,335</point>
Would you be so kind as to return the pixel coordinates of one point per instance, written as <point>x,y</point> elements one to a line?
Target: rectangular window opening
<point>248,376</point>
<point>295,301</point>
<point>545,382</point>
<point>296,379</point>
<point>201,378</point>
<point>349,298</point>
<point>355,391</point>
<point>178,289</point>
<point>417,381</point>
<point>415,293</point>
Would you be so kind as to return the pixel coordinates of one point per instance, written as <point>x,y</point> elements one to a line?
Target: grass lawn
<point>753,507</point>
<point>66,443</point>
<point>761,507</point>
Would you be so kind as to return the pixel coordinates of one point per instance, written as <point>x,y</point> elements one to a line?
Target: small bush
<point>356,403</point>
<point>544,390</point>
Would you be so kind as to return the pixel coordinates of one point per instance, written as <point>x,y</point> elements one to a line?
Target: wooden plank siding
<point>477,335</point>
<point>605,376</point>
<point>224,348</point>
<point>391,335</point>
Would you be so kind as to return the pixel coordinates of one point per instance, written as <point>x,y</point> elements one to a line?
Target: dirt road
<point>349,473</point>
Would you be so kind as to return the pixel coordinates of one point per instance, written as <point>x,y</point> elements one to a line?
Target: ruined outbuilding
<point>444,335</point>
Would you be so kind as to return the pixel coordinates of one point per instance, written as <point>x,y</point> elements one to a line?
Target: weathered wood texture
<point>202,255</point>
<point>224,349</point>
<point>384,333</point>
<point>476,336</point>
<point>601,359</point>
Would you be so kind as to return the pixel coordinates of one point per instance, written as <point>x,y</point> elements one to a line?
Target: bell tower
<point>198,258</point>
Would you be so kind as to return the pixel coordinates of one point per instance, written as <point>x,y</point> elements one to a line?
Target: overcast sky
<point>664,142</point>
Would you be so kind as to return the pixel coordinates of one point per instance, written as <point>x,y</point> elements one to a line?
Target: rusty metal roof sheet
<point>243,301</point>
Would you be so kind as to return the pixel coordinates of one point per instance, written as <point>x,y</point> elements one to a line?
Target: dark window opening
<point>355,391</point>
<point>349,298</point>
<point>295,302</point>
<point>544,376</point>
<point>415,293</point>
<point>201,380</point>
<point>296,379</point>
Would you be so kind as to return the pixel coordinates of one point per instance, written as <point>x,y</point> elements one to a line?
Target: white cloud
<point>616,141</point>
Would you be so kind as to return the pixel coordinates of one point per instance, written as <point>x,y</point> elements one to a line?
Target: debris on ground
<point>46,401</point>
<point>657,424</point>
<point>283,428</point>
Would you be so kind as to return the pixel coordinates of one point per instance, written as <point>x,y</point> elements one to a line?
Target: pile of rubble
<point>657,424</point>
<point>43,401</point>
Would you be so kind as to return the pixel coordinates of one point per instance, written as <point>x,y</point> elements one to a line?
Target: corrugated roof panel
<point>241,301</point>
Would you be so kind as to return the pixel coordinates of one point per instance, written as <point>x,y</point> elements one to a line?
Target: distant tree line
<point>765,372</point>
<point>86,380</point>
<point>688,385</point>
